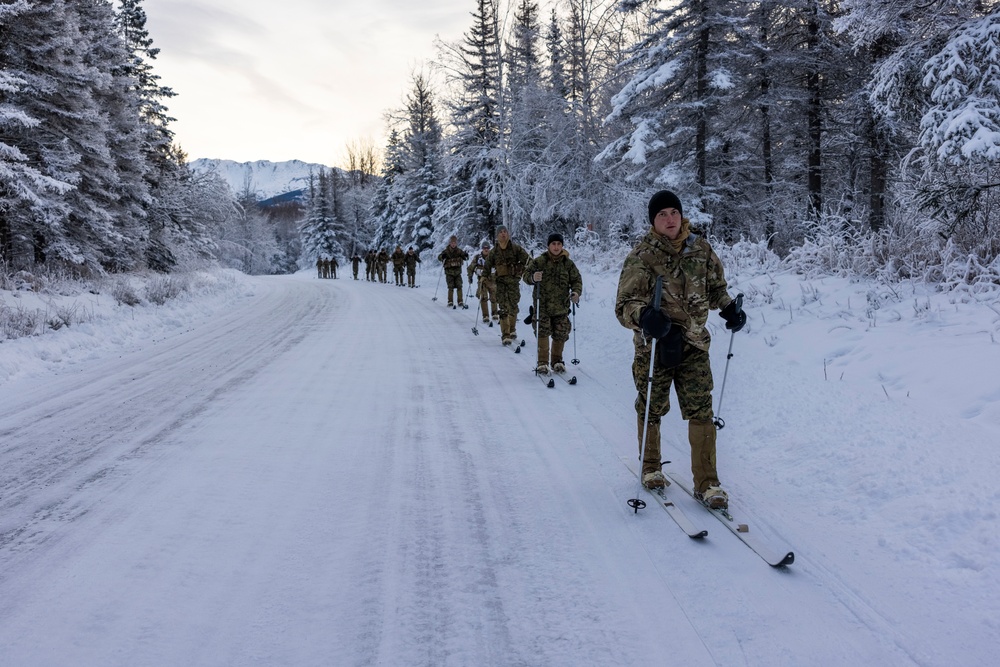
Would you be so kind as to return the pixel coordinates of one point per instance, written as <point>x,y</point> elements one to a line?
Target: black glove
<point>654,323</point>
<point>734,316</point>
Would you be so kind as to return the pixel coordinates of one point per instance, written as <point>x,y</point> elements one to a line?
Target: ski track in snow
<point>341,473</point>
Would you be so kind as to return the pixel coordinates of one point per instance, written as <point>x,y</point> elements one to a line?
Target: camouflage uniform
<point>452,257</point>
<point>398,264</point>
<point>319,267</point>
<point>486,288</point>
<point>693,284</point>
<point>331,266</point>
<point>382,265</point>
<point>507,263</point>
<point>412,259</point>
<point>370,265</point>
<point>355,262</point>
<point>560,278</point>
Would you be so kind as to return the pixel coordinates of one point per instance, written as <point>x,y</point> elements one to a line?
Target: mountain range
<point>264,178</point>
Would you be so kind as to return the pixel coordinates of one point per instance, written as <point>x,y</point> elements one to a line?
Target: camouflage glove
<point>734,316</point>
<point>654,323</point>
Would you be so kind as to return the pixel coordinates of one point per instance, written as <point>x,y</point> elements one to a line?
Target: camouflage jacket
<point>560,277</point>
<point>693,284</point>
<point>411,261</point>
<point>453,258</point>
<point>507,262</point>
<point>398,259</point>
<point>382,259</point>
<point>477,266</point>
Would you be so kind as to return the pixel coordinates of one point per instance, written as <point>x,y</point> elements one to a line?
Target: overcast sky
<point>292,79</point>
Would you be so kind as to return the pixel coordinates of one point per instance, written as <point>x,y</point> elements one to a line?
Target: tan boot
<point>557,356</point>
<point>651,454</point>
<point>543,351</point>
<point>701,435</point>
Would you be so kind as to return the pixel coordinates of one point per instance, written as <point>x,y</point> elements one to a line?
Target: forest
<point>861,134</point>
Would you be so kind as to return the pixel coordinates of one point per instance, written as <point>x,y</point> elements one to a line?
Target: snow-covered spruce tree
<point>70,143</point>
<point>472,203</point>
<point>25,192</point>
<point>782,126</point>
<point>596,37</point>
<point>323,229</point>
<point>418,188</point>
<point>164,173</point>
<point>684,76</point>
<point>959,140</point>
<point>387,211</point>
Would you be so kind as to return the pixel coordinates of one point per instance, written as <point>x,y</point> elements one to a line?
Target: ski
<point>675,512</point>
<point>516,348</point>
<point>568,379</point>
<point>546,379</point>
<point>772,556</point>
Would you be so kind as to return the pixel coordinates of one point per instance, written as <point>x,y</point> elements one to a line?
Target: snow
<point>292,471</point>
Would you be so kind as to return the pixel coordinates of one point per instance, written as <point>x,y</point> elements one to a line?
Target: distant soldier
<point>452,257</point>
<point>382,265</point>
<point>507,261</point>
<point>355,263</point>
<point>398,265</point>
<point>558,282</point>
<point>412,259</point>
<point>370,266</point>
<point>332,265</point>
<point>319,267</point>
<point>486,288</point>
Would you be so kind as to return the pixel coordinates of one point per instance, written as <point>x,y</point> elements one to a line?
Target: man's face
<point>555,248</point>
<point>486,251</point>
<point>668,223</point>
<point>453,242</point>
<point>503,236</point>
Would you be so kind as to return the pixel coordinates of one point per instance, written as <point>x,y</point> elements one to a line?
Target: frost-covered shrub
<point>19,322</point>
<point>161,289</point>
<point>124,293</point>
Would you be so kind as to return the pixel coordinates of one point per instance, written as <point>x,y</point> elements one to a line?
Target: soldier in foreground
<point>398,265</point>
<point>693,284</point>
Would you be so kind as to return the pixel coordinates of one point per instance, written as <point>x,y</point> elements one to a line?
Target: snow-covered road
<point>340,473</point>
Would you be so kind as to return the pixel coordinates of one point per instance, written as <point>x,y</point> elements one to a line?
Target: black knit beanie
<point>554,237</point>
<point>661,200</point>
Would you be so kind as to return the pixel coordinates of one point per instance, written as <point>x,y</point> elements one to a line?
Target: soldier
<point>370,266</point>
<point>507,261</point>
<point>355,263</point>
<point>332,265</point>
<point>381,265</point>
<point>319,267</point>
<point>559,283</point>
<point>412,259</point>
<point>452,258</point>
<point>398,264</point>
<point>486,289</point>
<point>693,284</point>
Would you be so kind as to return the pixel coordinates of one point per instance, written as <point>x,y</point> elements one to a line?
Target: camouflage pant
<point>558,327</point>
<point>486,291</point>
<point>692,380</point>
<point>453,279</point>
<point>508,291</point>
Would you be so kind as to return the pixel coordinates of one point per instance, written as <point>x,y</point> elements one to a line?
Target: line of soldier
<point>326,267</point>
<point>555,280</point>
<point>377,265</point>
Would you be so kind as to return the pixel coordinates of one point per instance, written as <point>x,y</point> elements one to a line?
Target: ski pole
<point>475,320</point>
<point>574,361</point>
<point>638,503</point>
<point>435,297</point>
<point>719,422</point>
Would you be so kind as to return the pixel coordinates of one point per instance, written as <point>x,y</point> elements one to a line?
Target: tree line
<point>877,120</point>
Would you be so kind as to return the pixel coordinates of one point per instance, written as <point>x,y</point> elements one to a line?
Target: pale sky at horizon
<point>296,79</point>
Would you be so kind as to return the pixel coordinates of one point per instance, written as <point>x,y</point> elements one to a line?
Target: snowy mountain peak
<point>263,177</point>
